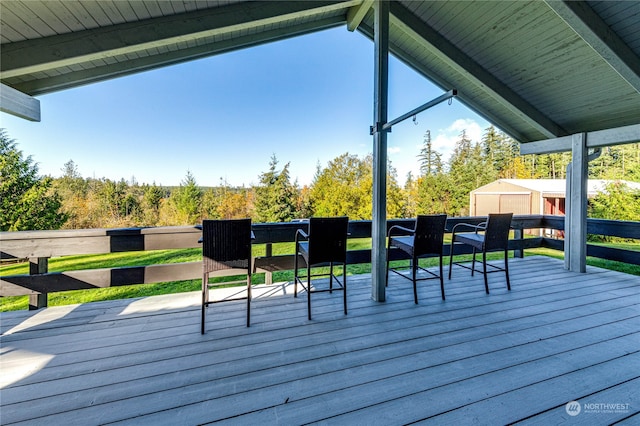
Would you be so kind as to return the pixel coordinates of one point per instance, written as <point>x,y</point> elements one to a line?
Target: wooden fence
<point>39,246</point>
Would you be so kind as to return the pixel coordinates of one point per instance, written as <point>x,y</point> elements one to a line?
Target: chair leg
<point>309,292</point>
<point>386,280</point>
<point>506,268</point>
<point>295,274</point>
<point>451,258</point>
<point>330,277</point>
<point>484,271</point>
<point>204,302</point>
<point>248,300</point>
<point>441,279</point>
<point>344,286</point>
<point>414,267</point>
<point>473,262</point>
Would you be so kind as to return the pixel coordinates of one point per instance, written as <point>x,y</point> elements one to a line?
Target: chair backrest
<point>328,239</point>
<point>429,234</point>
<point>226,244</point>
<point>496,235</point>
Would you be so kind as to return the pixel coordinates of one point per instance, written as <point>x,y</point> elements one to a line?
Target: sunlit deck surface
<point>507,357</point>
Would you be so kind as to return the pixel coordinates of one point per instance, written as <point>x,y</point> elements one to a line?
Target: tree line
<point>342,187</point>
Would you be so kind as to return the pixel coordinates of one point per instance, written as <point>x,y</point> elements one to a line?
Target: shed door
<point>516,203</point>
<point>486,203</point>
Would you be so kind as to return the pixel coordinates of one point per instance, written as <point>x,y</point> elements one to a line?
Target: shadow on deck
<point>507,357</point>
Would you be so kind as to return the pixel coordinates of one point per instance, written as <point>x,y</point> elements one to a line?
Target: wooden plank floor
<point>507,357</point>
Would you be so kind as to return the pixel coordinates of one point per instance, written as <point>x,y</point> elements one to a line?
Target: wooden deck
<point>507,357</point>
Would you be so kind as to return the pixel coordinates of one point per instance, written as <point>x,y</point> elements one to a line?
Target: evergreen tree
<point>275,196</point>
<point>111,196</point>
<point>552,166</point>
<point>617,162</point>
<point>468,169</point>
<point>434,194</point>
<point>431,193</point>
<point>152,196</point>
<point>184,202</point>
<point>71,184</point>
<point>27,201</point>
<point>500,152</point>
<point>430,160</point>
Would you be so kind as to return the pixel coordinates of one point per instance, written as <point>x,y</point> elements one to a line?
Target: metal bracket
<point>595,154</point>
<point>379,127</point>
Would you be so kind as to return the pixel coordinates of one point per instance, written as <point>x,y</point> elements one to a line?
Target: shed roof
<point>536,69</point>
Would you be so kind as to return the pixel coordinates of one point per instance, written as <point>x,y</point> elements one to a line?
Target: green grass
<point>591,261</point>
<point>71,263</point>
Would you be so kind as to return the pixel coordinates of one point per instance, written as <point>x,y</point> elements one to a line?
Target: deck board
<point>474,358</point>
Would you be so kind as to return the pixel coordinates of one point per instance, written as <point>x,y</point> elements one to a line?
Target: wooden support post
<point>380,102</point>
<point>575,245</point>
<point>518,234</point>
<point>268,276</point>
<point>39,265</point>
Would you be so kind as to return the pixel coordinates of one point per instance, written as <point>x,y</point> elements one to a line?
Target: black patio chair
<point>425,240</point>
<point>494,237</point>
<point>324,244</point>
<point>226,251</point>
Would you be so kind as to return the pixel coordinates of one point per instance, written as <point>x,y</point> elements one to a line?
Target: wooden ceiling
<point>536,69</point>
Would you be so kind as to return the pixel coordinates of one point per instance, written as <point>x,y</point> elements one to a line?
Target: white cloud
<point>445,139</point>
<point>393,150</point>
<point>474,132</point>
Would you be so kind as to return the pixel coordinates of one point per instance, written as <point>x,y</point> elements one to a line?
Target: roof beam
<point>596,139</point>
<point>444,85</point>
<point>37,55</point>
<point>617,136</point>
<point>457,59</point>
<point>147,63</point>
<point>597,34</point>
<point>19,104</point>
<point>356,14</point>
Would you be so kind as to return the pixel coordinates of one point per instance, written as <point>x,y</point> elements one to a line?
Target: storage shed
<point>529,196</point>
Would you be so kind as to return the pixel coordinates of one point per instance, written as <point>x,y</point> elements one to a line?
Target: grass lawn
<point>71,263</point>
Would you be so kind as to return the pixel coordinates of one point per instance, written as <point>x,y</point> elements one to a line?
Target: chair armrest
<point>480,227</point>
<point>400,228</point>
<point>468,225</point>
<point>301,234</point>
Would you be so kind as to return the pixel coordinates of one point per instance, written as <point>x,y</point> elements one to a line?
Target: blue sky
<point>307,100</point>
